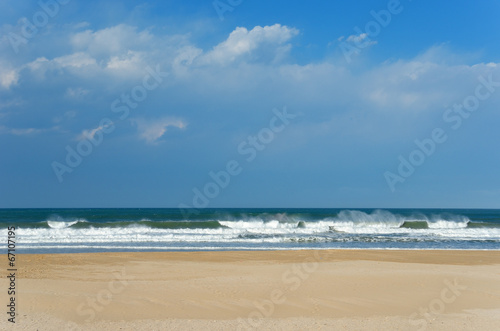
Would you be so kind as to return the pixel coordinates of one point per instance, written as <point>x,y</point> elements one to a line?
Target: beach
<point>266,290</point>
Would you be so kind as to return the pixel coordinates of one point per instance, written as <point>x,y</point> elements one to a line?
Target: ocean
<point>137,229</point>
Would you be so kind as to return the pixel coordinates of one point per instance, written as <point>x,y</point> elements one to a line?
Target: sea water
<point>136,229</point>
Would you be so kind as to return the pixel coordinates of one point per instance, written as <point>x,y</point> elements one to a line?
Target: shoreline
<point>263,250</point>
<point>376,254</point>
<point>285,290</point>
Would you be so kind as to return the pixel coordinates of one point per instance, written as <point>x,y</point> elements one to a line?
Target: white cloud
<point>242,42</point>
<point>117,52</point>
<point>184,59</point>
<point>127,63</point>
<point>89,134</point>
<point>426,82</point>
<point>77,60</point>
<point>360,40</point>
<point>80,25</point>
<point>356,38</point>
<point>8,76</point>
<point>38,64</point>
<point>152,130</point>
<point>110,41</point>
<point>122,52</point>
<point>325,89</point>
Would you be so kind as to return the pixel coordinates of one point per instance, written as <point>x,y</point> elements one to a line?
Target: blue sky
<point>254,104</point>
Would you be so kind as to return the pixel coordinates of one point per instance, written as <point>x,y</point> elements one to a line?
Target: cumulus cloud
<point>425,83</point>
<point>110,41</point>
<point>123,51</point>
<point>361,40</point>
<point>242,42</point>
<point>129,64</point>
<point>126,63</point>
<point>325,89</point>
<point>184,58</point>
<point>120,52</point>
<point>152,130</point>
<point>89,134</point>
<point>77,63</point>
<point>8,76</point>
<point>76,60</point>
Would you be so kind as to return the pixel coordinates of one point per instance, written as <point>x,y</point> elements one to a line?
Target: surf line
<point>250,147</point>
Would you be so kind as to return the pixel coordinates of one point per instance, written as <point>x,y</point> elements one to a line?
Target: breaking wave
<point>346,228</point>
<point>57,222</point>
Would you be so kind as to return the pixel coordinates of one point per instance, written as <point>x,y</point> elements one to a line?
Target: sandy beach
<point>267,290</point>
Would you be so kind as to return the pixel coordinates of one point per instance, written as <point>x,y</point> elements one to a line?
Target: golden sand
<point>261,290</point>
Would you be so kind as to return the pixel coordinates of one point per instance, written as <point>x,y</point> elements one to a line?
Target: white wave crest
<point>57,222</point>
<point>443,224</point>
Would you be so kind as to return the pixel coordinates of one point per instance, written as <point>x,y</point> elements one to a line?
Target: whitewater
<point>98,230</point>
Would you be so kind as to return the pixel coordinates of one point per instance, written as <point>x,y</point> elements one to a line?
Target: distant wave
<point>384,220</point>
<point>208,224</point>
<point>90,230</point>
<point>347,221</point>
<point>57,222</point>
<point>343,229</point>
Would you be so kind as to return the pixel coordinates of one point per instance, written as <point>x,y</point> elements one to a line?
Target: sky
<point>237,103</point>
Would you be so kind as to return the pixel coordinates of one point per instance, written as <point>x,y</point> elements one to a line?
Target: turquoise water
<point>100,230</point>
